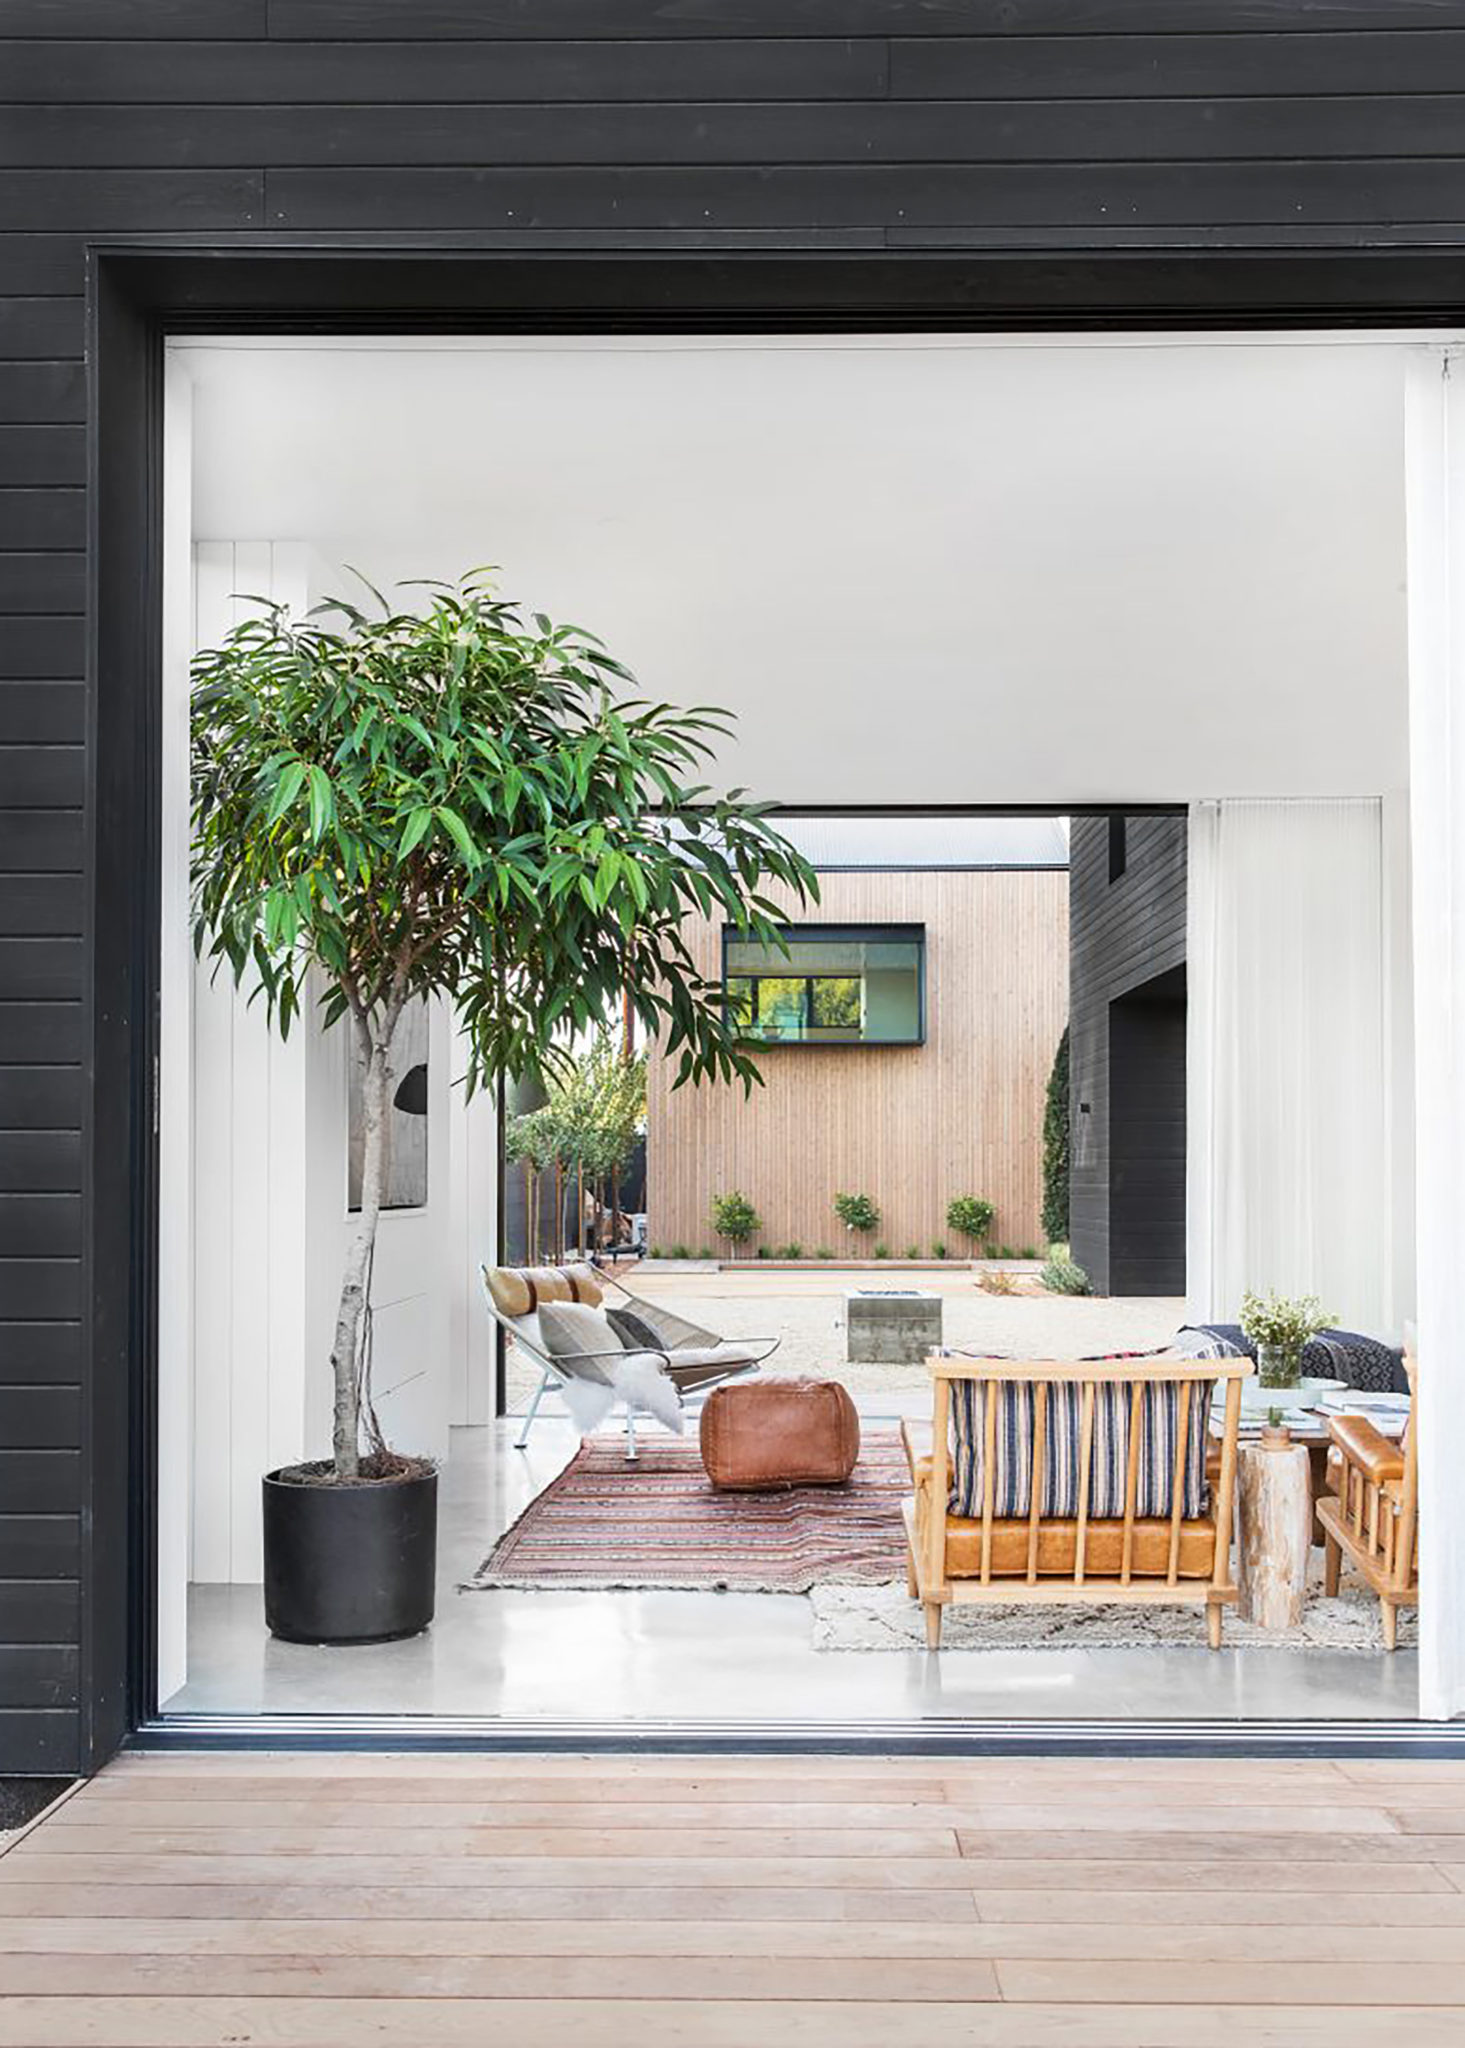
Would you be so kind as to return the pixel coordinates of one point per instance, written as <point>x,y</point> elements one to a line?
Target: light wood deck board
<point>193,1902</point>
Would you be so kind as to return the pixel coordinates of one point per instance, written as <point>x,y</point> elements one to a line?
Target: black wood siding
<point>1121,934</point>
<point>1069,125</point>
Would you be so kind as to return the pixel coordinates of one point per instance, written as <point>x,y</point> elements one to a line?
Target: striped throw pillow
<point>1159,1413</point>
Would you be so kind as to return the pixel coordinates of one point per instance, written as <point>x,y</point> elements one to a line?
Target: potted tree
<point>460,803</point>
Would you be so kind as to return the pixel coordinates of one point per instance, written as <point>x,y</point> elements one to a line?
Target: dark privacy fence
<point>597,125</point>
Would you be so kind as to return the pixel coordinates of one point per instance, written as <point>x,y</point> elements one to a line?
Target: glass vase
<point>1277,1366</point>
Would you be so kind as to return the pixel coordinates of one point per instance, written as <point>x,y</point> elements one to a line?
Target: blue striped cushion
<point>1160,1408</point>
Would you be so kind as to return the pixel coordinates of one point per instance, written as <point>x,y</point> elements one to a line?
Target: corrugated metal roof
<point>930,842</point>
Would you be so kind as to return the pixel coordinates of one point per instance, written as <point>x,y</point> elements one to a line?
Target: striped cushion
<point>1160,1408</point>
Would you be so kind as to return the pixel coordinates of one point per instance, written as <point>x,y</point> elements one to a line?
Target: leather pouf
<point>779,1433</point>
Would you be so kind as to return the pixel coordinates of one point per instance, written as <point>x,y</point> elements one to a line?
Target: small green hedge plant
<point>1062,1276</point>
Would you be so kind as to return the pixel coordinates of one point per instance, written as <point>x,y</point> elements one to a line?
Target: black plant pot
<point>350,1564</point>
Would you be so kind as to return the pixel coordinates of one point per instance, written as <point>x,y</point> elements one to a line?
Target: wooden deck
<point>739,1904</point>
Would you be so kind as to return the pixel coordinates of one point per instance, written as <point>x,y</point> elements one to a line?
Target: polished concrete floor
<point>713,1656</point>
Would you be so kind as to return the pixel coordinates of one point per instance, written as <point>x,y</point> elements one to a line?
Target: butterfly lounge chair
<point>598,1352</point>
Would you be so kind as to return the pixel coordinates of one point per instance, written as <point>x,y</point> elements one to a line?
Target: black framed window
<point>835,985</point>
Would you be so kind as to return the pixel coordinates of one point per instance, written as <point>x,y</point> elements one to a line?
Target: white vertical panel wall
<point>269,1223</point>
<point>1299,1110</point>
<point>175,1052</point>
<point>1435,474</point>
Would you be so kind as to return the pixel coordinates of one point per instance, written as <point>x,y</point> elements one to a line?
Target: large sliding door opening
<point>1076,672</point>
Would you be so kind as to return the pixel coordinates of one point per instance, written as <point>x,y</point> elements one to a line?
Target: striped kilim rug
<point>607,1524</point>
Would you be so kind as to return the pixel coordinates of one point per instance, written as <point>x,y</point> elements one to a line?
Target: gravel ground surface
<point>806,1310</point>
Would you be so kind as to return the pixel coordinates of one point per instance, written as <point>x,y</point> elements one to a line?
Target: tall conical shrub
<point>1055,1148</point>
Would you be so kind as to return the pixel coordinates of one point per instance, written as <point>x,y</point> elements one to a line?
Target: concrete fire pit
<point>891,1325</point>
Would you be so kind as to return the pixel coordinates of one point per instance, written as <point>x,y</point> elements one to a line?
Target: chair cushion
<point>518,1290</point>
<point>1162,1402</point>
<point>1058,1548</point>
<point>634,1331</point>
<point>571,1328</point>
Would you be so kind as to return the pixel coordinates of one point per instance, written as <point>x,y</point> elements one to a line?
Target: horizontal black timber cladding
<point>47,1099</point>
<point>38,1418</point>
<point>363,74</point>
<point>32,455</point>
<point>45,583</point>
<point>284,73</point>
<point>41,842</point>
<point>39,1547</point>
<point>35,1290</point>
<point>39,1481</point>
<point>947,131</point>
<point>44,1032</point>
<point>51,518</point>
<point>38,1611</point>
<point>41,1742</point>
<point>1155,194</point>
<point>32,644</point>
<point>43,778</point>
<point>50,711</point>
<point>42,394</point>
<point>42,1226</point>
<point>40,266</point>
<point>40,1355</point>
<point>97,19</point>
<point>473,20</point>
<point>38,1675</point>
<point>43,327</point>
<point>144,201</point>
<point>39,1161</point>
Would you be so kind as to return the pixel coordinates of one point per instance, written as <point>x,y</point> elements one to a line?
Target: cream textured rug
<point>886,1618</point>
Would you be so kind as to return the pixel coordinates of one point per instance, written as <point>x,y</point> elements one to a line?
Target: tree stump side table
<point>1274,1514</point>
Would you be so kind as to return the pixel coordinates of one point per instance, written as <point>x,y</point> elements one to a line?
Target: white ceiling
<point>922,571</point>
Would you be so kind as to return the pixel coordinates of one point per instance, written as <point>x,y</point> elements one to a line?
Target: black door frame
<point>140,292</point>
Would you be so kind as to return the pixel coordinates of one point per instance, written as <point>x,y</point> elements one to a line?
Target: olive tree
<point>457,800</point>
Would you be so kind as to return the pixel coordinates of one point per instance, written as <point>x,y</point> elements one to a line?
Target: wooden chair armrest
<point>1365,1449</point>
<point>915,1439</point>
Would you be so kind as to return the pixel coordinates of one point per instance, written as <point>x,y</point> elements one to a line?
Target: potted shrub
<point>971,1217</point>
<point>457,803</point>
<point>1280,1327</point>
<point>857,1213</point>
<point>734,1218</point>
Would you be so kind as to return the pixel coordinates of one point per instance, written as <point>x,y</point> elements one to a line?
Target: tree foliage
<point>734,1217</point>
<point>970,1216</point>
<point>1056,1115</point>
<point>459,801</point>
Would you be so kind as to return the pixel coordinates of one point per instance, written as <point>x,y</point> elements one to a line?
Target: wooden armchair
<point>1030,1451</point>
<point>1372,1511</point>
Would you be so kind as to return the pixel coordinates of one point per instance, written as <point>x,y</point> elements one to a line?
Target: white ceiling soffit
<point>921,571</point>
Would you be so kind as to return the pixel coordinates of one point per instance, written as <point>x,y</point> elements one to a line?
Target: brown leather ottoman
<point>779,1433</point>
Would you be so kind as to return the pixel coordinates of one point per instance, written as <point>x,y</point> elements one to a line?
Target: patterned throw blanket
<point>1360,1362</point>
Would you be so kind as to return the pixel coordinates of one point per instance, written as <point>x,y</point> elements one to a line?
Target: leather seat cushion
<point>1058,1547</point>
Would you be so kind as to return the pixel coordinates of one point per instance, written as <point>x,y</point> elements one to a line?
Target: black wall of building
<point>897,127</point>
<point>1126,963</point>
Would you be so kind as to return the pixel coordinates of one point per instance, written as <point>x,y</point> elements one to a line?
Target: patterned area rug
<point>886,1618</point>
<point>659,1523</point>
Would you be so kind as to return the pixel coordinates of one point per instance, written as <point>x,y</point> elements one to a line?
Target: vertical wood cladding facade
<point>910,1126</point>
<point>1125,934</point>
<point>967,128</point>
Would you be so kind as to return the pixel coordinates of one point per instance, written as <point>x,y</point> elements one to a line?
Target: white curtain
<point>1289,1118</point>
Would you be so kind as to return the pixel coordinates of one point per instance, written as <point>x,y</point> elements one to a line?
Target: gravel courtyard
<point>806,1310</point>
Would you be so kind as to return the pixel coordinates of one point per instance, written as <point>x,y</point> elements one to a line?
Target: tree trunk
<point>580,1206</point>
<point>346,1351</point>
<point>559,1213</point>
<point>615,1205</point>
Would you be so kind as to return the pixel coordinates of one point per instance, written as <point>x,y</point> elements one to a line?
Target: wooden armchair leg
<point>1389,1616</point>
<point>1215,1614</point>
<point>911,1585</point>
<point>1332,1566</point>
<point>933,1624</point>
